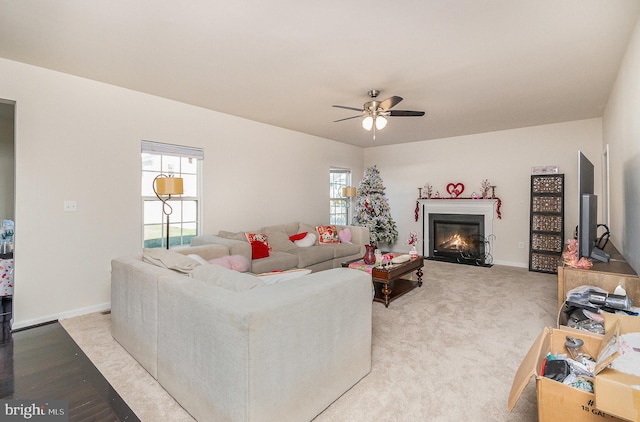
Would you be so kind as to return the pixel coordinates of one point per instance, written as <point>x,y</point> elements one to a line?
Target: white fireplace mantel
<point>483,207</point>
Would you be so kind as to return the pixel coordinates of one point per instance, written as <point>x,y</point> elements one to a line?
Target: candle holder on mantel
<point>493,192</point>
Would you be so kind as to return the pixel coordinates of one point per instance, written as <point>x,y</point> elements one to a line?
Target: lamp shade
<point>169,186</point>
<point>349,192</point>
<point>381,122</point>
<point>367,122</point>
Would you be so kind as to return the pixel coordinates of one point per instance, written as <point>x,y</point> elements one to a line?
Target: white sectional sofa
<point>286,254</point>
<point>230,348</point>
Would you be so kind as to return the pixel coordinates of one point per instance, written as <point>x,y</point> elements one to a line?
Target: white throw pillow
<point>309,240</point>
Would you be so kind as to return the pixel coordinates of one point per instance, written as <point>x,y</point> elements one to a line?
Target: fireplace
<point>457,238</point>
<point>473,218</point>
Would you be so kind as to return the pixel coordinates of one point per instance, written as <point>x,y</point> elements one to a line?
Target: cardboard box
<point>617,393</point>
<point>557,401</point>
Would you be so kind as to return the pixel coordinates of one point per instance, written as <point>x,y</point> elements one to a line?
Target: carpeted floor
<point>447,351</point>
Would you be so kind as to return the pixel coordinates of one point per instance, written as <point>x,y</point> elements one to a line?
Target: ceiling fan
<point>375,112</point>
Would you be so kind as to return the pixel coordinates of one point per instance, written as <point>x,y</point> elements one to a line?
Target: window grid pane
<point>338,205</point>
<point>183,220</point>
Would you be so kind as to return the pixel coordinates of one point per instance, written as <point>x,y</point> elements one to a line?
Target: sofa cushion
<point>279,241</point>
<point>226,278</point>
<point>276,261</point>
<point>343,249</point>
<point>288,229</point>
<point>169,259</point>
<point>204,251</point>
<point>327,234</point>
<point>233,235</point>
<point>313,255</point>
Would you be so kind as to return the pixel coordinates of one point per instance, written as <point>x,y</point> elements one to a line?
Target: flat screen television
<point>588,212</point>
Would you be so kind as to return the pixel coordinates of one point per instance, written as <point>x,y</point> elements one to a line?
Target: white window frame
<point>186,227</point>
<point>338,204</point>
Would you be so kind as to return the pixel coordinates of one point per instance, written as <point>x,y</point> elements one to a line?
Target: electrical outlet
<point>521,245</point>
<point>70,206</point>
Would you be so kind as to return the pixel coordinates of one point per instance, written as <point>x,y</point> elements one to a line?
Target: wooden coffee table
<point>389,282</point>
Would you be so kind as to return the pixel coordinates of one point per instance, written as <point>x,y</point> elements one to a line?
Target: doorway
<point>7,212</point>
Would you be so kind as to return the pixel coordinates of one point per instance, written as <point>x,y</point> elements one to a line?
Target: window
<point>338,204</point>
<point>184,221</point>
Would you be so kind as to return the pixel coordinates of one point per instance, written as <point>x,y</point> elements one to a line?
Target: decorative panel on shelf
<point>546,236</point>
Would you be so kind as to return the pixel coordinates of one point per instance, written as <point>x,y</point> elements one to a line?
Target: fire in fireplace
<point>457,238</point>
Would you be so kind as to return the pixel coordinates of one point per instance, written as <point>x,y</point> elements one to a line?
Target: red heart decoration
<point>455,190</point>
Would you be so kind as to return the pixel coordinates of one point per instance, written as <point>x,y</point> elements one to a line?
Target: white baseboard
<point>64,315</point>
<point>511,264</point>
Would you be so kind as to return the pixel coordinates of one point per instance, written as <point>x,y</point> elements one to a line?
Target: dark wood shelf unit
<point>546,235</point>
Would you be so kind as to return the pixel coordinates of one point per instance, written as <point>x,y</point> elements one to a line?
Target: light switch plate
<point>70,206</point>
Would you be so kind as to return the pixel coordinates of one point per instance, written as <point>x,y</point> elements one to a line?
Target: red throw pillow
<point>298,236</point>
<point>259,250</point>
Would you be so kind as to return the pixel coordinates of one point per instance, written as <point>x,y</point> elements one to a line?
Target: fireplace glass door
<point>457,237</point>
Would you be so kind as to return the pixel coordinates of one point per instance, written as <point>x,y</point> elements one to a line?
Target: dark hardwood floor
<point>44,363</point>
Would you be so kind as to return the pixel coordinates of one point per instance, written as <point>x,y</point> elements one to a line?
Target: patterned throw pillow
<point>258,237</point>
<point>327,234</point>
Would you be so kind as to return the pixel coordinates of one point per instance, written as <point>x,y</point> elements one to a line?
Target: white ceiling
<point>473,65</point>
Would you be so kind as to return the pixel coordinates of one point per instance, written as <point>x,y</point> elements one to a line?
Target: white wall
<point>79,140</point>
<point>621,127</point>
<point>504,158</point>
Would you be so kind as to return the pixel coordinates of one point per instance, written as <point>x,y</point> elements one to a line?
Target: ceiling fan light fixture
<point>374,112</point>
<point>367,123</point>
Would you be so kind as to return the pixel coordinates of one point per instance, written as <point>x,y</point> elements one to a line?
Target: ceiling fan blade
<point>348,108</point>
<point>405,113</point>
<point>349,118</point>
<point>390,102</point>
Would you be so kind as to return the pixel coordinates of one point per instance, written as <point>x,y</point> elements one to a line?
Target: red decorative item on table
<point>369,255</point>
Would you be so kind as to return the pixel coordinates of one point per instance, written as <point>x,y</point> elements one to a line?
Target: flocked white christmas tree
<point>372,208</point>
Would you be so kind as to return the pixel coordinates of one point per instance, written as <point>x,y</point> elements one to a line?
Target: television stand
<point>600,255</point>
<point>606,275</point>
